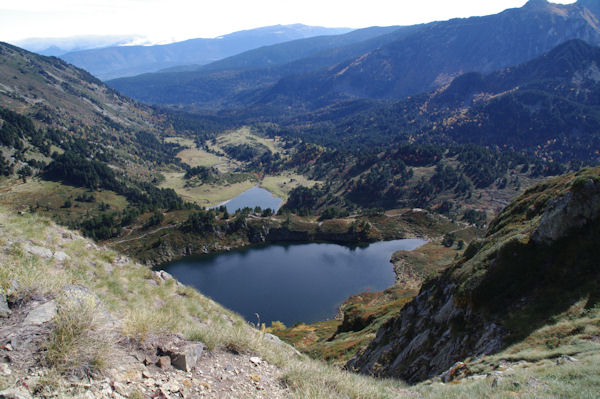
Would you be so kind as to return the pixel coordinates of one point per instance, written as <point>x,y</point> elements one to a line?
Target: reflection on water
<point>252,198</point>
<point>291,282</point>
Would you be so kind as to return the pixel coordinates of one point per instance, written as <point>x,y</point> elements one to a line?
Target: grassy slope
<point>207,194</point>
<point>281,185</point>
<point>143,307</point>
<point>509,263</point>
<point>63,95</point>
<point>245,135</point>
<point>213,194</point>
<point>48,198</point>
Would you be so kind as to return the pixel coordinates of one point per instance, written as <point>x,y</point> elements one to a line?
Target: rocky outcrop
<point>430,335</point>
<point>41,314</point>
<point>183,355</point>
<point>4,309</point>
<point>571,211</point>
<point>542,249</point>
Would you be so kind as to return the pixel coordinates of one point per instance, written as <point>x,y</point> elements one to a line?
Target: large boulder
<point>184,354</point>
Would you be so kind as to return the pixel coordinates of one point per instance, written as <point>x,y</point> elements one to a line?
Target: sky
<point>162,21</point>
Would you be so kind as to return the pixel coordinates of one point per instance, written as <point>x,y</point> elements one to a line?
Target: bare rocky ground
<point>165,366</point>
<point>159,366</point>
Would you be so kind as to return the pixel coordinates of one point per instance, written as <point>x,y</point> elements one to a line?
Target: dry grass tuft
<point>80,341</point>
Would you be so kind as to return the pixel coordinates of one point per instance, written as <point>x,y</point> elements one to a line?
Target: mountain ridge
<point>546,107</point>
<point>113,62</point>
<point>423,58</point>
<point>431,57</point>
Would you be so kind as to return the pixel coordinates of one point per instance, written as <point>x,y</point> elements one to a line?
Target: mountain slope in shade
<point>321,46</point>
<point>114,62</point>
<point>57,95</point>
<point>440,51</point>
<point>220,83</point>
<point>548,107</point>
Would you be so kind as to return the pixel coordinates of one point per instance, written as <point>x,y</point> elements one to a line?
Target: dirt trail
<point>170,226</point>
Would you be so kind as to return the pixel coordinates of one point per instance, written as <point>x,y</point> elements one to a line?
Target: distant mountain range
<point>548,107</point>
<point>218,84</point>
<point>117,61</point>
<point>57,46</point>
<point>398,63</point>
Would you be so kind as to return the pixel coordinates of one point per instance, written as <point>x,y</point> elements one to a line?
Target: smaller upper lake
<point>291,282</point>
<point>252,198</point>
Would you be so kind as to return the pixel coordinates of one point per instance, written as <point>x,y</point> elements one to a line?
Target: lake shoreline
<point>168,243</point>
<point>260,278</point>
<point>254,196</point>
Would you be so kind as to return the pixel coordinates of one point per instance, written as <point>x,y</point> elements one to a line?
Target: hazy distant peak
<point>61,45</point>
<point>536,3</point>
<point>592,5</point>
<point>134,58</point>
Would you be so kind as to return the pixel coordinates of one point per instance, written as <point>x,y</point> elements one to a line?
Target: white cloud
<point>180,19</point>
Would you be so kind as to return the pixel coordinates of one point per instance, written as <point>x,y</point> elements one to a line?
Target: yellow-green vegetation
<point>244,135</point>
<point>196,157</point>
<point>145,304</point>
<point>212,194</point>
<point>53,198</point>
<point>336,341</point>
<point>182,141</point>
<point>207,194</point>
<point>80,341</point>
<point>513,259</point>
<point>414,267</point>
<point>559,360</point>
<point>545,379</point>
<point>281,185</point>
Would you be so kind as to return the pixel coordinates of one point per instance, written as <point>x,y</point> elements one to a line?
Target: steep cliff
<point>538,258</point>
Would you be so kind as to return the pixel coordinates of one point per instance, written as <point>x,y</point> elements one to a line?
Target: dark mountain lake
<point>252,198</point>
<point>291,282</point>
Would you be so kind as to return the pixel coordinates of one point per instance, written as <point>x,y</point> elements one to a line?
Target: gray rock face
<point>14,394</point>
<point>41,314</point>
<point>459,314</point>
<point>38,251</point>
<point>61,256</point>
<point>573,210</point>
<point>431,334</point>
<point>185,359</point>
<point>4,309</point>
<point>184,355</point>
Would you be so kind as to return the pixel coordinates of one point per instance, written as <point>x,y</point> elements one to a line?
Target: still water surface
<point>252,198</point>
<point>291,282</point>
